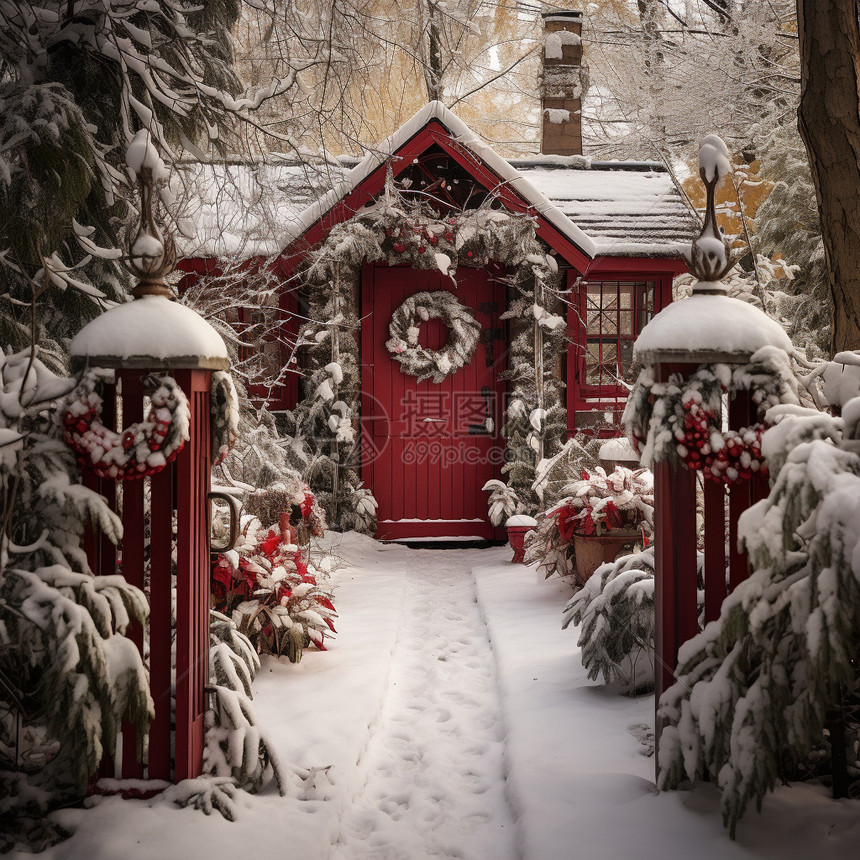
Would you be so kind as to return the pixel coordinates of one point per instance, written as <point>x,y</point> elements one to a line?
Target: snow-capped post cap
<point>151,256</point>
<point>710,257</point>
<point>710,327</point>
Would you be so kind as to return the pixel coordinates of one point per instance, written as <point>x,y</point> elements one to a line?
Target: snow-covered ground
<point>452,718</point>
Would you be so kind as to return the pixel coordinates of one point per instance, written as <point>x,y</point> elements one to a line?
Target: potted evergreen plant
<point>604,513</point>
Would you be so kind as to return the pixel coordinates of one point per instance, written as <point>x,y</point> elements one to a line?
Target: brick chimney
<point>561,84</point>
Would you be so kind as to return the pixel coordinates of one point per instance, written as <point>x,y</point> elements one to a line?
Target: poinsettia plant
<point>601,502</point>
<point>595,504</point>
<point>269,587</point>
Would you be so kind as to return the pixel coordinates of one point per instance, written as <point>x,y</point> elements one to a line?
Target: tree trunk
<point>433,72</point>
<point>829,124</point>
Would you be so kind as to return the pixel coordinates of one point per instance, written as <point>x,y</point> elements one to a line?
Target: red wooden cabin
<point>613,228</point>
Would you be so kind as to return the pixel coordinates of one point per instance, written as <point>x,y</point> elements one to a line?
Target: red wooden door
<point>427,449</point>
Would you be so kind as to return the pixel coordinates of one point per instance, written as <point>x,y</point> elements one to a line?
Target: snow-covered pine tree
<point>79,78</point>
<point>235,746</point>
<point>755,686</point>
<point>615,614</point>
<point>69,678</point>
<point>787,224</point>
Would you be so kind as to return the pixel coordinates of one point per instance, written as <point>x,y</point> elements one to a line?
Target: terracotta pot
<point>593,550</point>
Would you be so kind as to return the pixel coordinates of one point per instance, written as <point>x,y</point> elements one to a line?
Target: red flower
<point>568,522</point>
<point>222,572</point>
<point>270,544</point>
<point>248,572</point>
<point>612,516</point>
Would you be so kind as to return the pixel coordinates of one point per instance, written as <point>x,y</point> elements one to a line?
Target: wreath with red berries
<point>681,419</point>
<point>140,450</point>
<point>463,333</point>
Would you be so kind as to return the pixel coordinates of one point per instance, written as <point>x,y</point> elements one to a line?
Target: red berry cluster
<point>423,236</point>
<point>725,457</point>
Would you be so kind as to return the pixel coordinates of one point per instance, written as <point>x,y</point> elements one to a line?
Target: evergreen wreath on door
<point>463,333</point>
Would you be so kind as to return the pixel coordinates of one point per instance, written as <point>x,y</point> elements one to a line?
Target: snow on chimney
<point>561,84</point>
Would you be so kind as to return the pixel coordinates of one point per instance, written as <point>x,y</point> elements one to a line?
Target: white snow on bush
<point>443,261</point>
<point>537,417</point>
<point>841,378</point>
<point>335,371</point>
<point>324,391</point>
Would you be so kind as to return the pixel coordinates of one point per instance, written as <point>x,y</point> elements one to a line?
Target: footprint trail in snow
<point>433,769</point>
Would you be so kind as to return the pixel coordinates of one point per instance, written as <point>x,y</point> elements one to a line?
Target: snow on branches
<point>755,686</point>
<point>65,200</point>
<point>69,673</point>
<point>614,611</point>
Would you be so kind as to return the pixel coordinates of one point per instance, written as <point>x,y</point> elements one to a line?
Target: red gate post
<point>165,544</point>
<point>708,331</point>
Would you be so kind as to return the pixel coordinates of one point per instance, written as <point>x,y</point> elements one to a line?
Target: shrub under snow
<point>755,686</point>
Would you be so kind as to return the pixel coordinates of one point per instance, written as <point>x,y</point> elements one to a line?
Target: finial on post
<point>710,257</point>
<point>151,256</point>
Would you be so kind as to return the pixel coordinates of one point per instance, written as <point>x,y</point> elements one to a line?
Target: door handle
<point>232,505</point>
<point>487,428</point>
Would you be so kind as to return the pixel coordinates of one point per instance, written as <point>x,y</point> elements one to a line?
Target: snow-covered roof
<point>626,208</point>
<point>152,331</point>
<point>604,208</point>
<point>242,208</point>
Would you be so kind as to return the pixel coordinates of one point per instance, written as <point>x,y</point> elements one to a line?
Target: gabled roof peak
<point>436,111</point>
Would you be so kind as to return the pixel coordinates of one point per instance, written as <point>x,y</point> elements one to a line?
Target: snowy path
<point>433,770</point>
<point>438,726</point>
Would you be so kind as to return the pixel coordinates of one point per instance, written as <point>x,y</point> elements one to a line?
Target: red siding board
<point>715,548</point>
<point>132,549</point>
<point>161,607</point>
<point>739,495</point>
